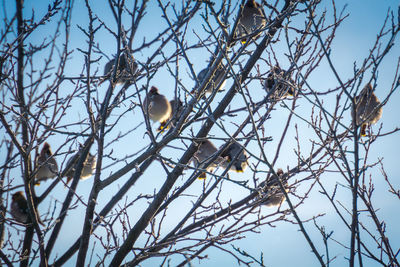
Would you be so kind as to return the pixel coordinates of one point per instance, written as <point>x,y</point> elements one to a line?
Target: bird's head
<point>252,4</point>
<point>46,150</point>
<point>154,90</point>
<point>18,196</point>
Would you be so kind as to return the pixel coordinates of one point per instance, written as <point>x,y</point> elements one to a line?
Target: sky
<point>281,243</point>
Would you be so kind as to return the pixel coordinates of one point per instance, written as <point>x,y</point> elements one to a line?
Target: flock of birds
<point>368,110</point>
<point>47,168</point>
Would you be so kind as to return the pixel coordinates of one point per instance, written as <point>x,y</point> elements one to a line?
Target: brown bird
<point>216,81</point>
<point>177,107</point>
<point>88,166</point>
<point>126,70</point>
<point>19,207</point>
<point>47,164</point>
<point>205,151</point>
<point>234,151</point>
<point>271,193</point>
<point>277,85</point>
<point>157,106</point>
<point>251,20</point>
<point>368,109</point>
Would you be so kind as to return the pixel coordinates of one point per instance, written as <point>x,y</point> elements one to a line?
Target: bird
<point>176,106</point>
<point>251,20</point>
<point>271,194</point>
<point>88,166</point>
<point>47,164</point>
<point>157,107</point>
<point>216,81</point>
<point>368,108</point>
<point>19,207</point>
<point>278,86</point>
<point>235,151</point>
<point>205,151</point>
<point>125,71</point>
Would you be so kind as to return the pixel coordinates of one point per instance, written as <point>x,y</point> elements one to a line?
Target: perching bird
<point>157,106</point>
<point>251,20</point>
<point>176,106</point>
<point>125,72</point>
<point>235,151</point>
<point>88,166</point>
<point>47,164</point>
<point>281,86</point>
<point>368,109</point>
<point>271,193</point>
<point>204,152</point>
<point>216,81</point>
<point>19,207</point>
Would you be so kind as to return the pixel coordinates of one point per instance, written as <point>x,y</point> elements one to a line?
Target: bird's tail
<point>163,126</point>
<point>202,176</point>
<point>363,128</point>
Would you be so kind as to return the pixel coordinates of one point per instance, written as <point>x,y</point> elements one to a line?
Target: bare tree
<point>81,78</point>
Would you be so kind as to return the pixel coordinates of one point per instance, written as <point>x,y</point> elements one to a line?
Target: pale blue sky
<point>282,245</point>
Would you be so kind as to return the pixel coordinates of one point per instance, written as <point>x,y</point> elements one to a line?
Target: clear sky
<point>281,243</point>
